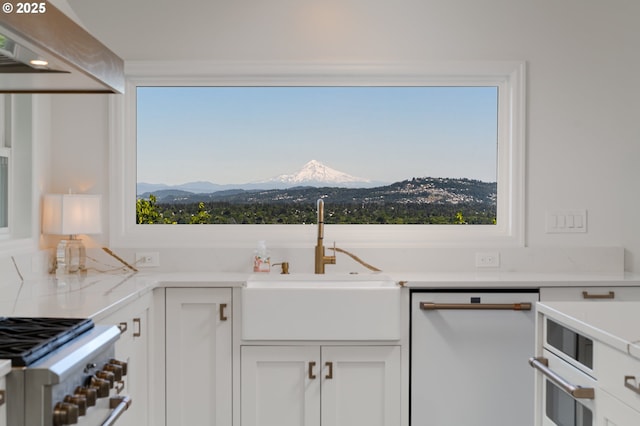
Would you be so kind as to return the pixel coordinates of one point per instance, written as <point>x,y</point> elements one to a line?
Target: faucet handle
<point>285,267</point>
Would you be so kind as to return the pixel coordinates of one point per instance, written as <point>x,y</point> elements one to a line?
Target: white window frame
<point>508,76</point>
<point>21,130</point>
<point>5,230</point>
<point>5,151</point>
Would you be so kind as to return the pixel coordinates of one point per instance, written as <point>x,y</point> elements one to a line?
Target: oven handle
<point>431,306</point>
<point>541,364</point>
<point>119,404</point>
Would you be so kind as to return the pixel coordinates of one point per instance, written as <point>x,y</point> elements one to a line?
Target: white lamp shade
<point>71,214</point>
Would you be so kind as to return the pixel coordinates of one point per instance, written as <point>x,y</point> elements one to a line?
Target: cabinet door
<point>613,412</point>
<point>280,386</point>
<point>137,338</point>
<point>198,357</point>
<point>360,385</point>
<point>133,348</point>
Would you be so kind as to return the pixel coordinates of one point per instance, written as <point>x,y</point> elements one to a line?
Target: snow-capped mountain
<point>314,173</point>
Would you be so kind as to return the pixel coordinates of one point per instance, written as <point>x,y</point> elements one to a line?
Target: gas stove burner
<point>25,340</point>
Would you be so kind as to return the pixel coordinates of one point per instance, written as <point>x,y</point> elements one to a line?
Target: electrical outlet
<point>147,259</point>
<point>488,259</point>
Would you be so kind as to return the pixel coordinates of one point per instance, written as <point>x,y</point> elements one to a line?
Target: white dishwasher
<point>468,357</point>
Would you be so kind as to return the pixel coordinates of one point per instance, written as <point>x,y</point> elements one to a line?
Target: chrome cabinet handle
<point>609,295</point>
<point>330,372</point>
<point>573,390</point>
<point>431,306</point>
<point>628,385</point>
<point>312,364</point>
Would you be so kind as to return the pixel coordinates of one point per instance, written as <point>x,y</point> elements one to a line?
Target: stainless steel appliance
<point>63,372</point>
<point>565,386</point>
<point>467,352</point>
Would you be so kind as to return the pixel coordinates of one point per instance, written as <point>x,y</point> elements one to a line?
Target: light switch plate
<point>566,221</point>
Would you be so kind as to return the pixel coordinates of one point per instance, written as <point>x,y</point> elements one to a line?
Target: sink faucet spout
<point>320,258</point>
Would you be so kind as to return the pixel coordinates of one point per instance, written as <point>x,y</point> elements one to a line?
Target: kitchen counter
<point>96,295</point>
<point>488,279</point>
<point>613,323</point>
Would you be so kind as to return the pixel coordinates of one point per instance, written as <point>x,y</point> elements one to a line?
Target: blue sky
<point>242,134</point>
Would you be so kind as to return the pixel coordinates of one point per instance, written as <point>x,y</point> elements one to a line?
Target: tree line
<point>150,211</point>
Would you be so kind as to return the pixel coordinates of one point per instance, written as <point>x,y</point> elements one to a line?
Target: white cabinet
<point>613,412</point>
<point>280,385</point>
<point>320,385</point>
<point>133,348</point>
<point>619,384</point>
<point>364,388</point>
<point>198,357</point>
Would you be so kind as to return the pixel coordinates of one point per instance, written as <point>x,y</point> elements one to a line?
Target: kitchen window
<point>264,155</point>
<point>151,152</point>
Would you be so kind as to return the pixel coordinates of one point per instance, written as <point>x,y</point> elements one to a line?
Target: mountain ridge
<point>312,173</point>
<point>426,190</point>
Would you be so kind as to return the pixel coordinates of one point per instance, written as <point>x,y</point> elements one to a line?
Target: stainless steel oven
<point>63,372</point>
<point>565,384</point>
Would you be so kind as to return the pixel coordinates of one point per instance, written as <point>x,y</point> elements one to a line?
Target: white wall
<point>583,125</point>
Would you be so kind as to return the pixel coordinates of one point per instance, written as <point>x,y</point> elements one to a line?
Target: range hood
<point>49,53</point>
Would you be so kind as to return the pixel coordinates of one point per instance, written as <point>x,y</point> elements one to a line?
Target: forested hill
<point>439,191</point>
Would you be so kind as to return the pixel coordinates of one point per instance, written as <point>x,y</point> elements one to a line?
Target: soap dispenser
<point>261,259</point>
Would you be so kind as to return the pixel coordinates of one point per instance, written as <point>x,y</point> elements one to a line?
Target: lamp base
<point>71,256</point>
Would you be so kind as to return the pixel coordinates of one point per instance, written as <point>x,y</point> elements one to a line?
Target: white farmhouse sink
<point>320,307</point>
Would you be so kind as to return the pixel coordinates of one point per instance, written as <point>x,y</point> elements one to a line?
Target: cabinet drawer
<point>601,293</point>
<point>612,412</point>
<point>619,374</point>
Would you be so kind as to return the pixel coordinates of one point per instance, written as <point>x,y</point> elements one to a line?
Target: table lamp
<point>71,214</point>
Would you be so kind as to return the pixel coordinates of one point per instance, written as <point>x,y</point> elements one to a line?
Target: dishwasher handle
<point>432,306</point>
<point>541,364</point>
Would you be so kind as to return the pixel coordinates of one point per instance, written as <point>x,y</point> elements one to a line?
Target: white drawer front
<point>603,294</point>
<point>619,374</point>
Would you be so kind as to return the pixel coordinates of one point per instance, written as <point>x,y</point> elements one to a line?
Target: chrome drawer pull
<point>609,295</point>
<point>430,306</point>
<point>573,390</point>
<point>628,385</point>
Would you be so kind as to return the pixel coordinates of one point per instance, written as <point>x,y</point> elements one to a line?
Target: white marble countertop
<point>98,294</point>
<point>489,279</point>
<point>616,324</point>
